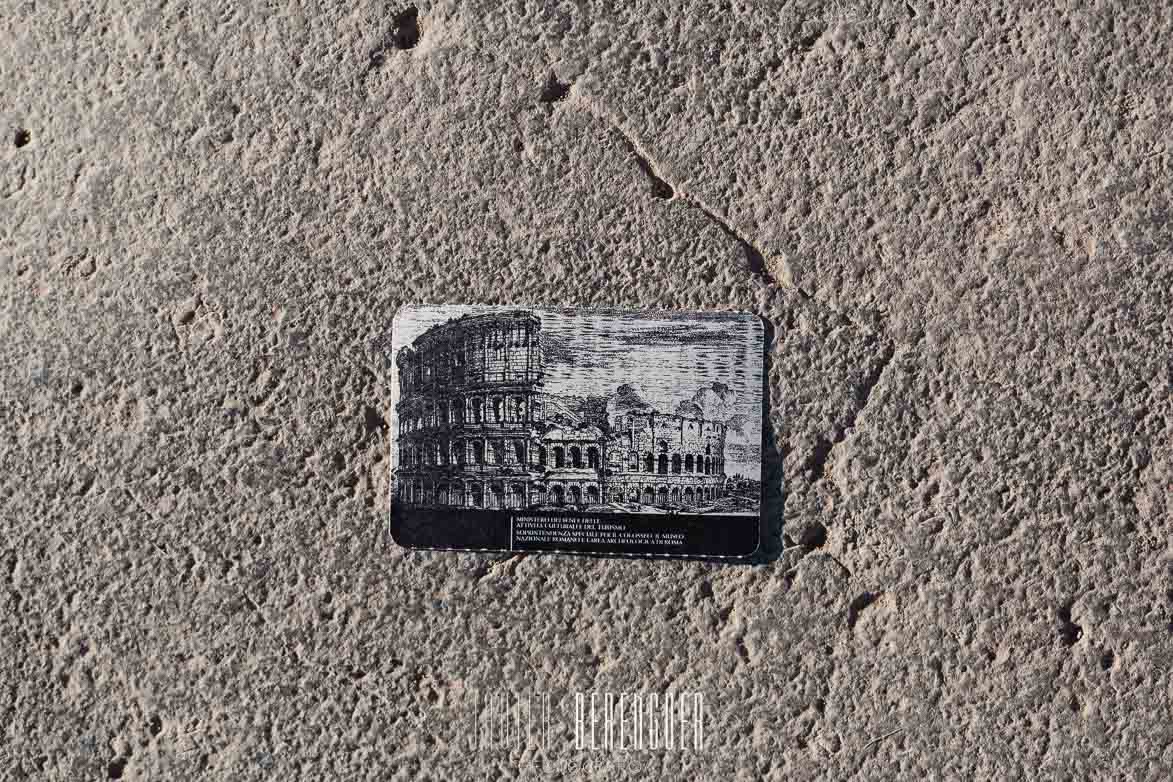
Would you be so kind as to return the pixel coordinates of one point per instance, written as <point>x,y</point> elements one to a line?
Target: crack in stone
<point>664,189</point>
<point>863,394</point>
<point>824,448</point>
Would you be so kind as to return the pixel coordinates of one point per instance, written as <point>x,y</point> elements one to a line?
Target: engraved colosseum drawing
<point>507,408</point>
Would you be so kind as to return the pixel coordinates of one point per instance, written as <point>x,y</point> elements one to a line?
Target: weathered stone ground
<point>956,219</point>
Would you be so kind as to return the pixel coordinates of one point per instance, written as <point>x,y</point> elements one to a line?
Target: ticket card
<point>593,431</point>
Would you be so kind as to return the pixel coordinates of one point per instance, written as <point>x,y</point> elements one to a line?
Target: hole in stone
<point>813,536</point>
<point>1107,660</point>
<point>807,42</point>
<point>554,90</point>
<point>1069,632</point>
<point>407,28</point>
<point>858,606</point>
<point>373,421</point>
<point>21,137</point>
<point>155,726</point>
<point>76,388</point>
<point>114,770</point>
<point>404,35</point>
<point>817,463</point>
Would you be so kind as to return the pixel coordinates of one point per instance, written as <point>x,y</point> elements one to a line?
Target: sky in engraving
<point>711,360</point>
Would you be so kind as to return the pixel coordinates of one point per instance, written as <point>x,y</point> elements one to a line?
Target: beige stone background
<point>956,219</point>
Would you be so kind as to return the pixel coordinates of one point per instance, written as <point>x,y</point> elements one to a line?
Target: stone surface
<point>956,219</point>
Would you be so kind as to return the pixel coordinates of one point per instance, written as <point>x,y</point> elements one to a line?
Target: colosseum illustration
<point>477,429</point>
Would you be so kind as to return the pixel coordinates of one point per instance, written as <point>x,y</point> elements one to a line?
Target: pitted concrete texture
<point>956,219</point>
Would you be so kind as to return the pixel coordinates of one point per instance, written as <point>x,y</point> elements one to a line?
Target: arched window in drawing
<point>593,458</point>
<point>518,408</point>
<point>663,446</point>
<point>576,495</point>
<point>559,495</point>
<point>476,495</point>
<point>478,452</point>
<point>498,452</point>
<point>476,410</point>
<point>676,463</point>
<point>498,410</point>
<point>517,495</point>
<point>688,463</point>
<point>575,456</point>
<point>662,464</point>
<point>592,494</point>
<point>559,456</point>
<point>649,463</point>
<point>541,455</point>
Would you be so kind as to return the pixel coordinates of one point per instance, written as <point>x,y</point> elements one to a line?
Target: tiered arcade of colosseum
<point>667,459</point>
<point>473,431</point>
